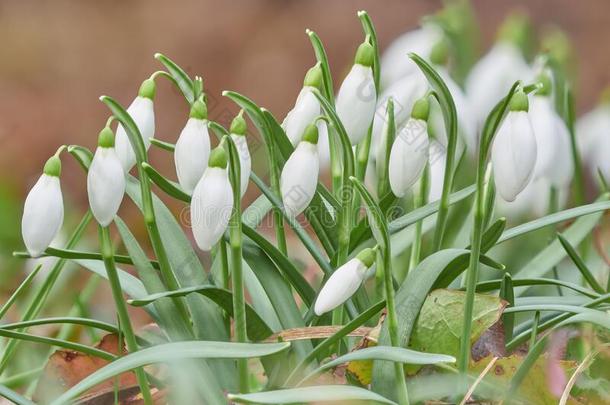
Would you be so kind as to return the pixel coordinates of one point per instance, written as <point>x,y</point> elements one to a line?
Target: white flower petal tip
<point>142,112</point>
<point>299,178</point>
<point>341,285</point>
<point>514,154</point>
<point>356,102</point>
<point>105,185</point>
<point>211,207</point>
<point>191,153</point>
<point>43,214</point>
<point>408,156</point>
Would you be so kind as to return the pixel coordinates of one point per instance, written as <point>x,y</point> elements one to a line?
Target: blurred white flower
<point>593,136</point>
<point>299,177</point>
<point>142,112</point>
<point>193,148</point>
<point>344,282</point>
<point>105,180</point>
<point>212,202</point>
<point>43,211</point>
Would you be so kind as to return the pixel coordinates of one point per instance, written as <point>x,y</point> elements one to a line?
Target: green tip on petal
<point>218,158</point>
<point>516,29</point>
<point>53,166</point>
<point>367,257</point>
<point>545,80</point>
<point>313,77</point>
<point>519,102</point>
<point>439,55</point>
<point>148,89</point>
<point>199,110</point>
<point>421,109</point>
<point>238,125</point>
<point>311,134</point>
<point>365,55</point>
<point>106,138</point>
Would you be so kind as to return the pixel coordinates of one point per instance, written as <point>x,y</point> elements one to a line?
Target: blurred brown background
<point>58,56</point>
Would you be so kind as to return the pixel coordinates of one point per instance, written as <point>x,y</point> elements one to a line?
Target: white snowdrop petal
<point>408,156</point>
<point>43,214</point>
<point>105,185</point>
<point>211,207</point>
<point>143,114</point>
<point>305,111</point>
<point>241,143</point>
<point>340,286</point>
<point>356,102</point>
<point>437,159</point>
<point>299,178</point>
<point>192,153</point>
<point>323,144</point>
<point>513,154</point>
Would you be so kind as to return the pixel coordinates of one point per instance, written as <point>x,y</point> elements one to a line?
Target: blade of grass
<point>24,284</point>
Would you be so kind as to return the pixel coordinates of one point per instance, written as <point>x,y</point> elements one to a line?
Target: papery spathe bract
<point>357,96</point>
<point>513,152</point>
<point>193,148</point>
<point>212,202</point>
<point>43,211</point>
<point>306,108</point>
<point>344,282</point>
<point>238,135</point>
<point>105,180</point>
<point>142,112</point>
<point>299,177</point>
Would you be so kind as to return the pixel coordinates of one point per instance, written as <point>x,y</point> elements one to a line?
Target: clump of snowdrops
<point>424,162</point>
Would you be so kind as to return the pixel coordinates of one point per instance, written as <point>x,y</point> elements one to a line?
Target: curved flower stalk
<point>193,147</point>
<point>593,140</point>
<point>212,202</point>
<point>409,153</point>
<point>43,211</point>
<point>344,282</point>
<point>357,95</point>
<point>300,173</point>
<point>143,114</point>
<point>105,180</point>
<point>513,152</point>
<point>492,76</point>
<point>394,65</point>
<point>238,135</point>
<point>306,108</point>
<point>554,158</point>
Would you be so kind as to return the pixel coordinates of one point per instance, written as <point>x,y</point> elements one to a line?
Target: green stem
<point>121,307</point>
<point>45,289</point>
<point>534,329</point>
<point>419,200</point>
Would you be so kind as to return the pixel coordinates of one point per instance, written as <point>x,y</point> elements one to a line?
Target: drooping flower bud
<point>514,150</point>
<point>238,134</point>
<point>143,114</point>
<point>212,202</point>
<point>357,96</point>
<point>409,153</point>
<point>344,282</point>
<point>306,108</point>
<point>105,180</point>
<point>43,211</point>
<point>193,147</point>
<point>299,177</point>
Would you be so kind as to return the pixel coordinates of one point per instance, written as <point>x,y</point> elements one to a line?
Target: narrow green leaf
<point>82,155</point>
<point>25,284</point>
<point>507,294</point>
<point>171,188</point>
<point>184,82</point>
<point>14,397</point>
<point>580,264</point>
<point>326,393</point>
<point>168,146</point>
<point>93,323</point>
<point>490,285</point>
<point>321,57</point>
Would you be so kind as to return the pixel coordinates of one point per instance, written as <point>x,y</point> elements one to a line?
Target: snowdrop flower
<point>43,211</point>
<point>593,131</point>
<point>394,62</point>
<point>344,282</point>
<point>306,108</point>
<point>357,95</point>
<point>554,158</point>
<point>513,153</point>
<point>300,173</point>
<point>193,147</point>
<point>143,114</point>
<point>105,180</point>
<point>409,153</point>
<point>212,201</point>
<point>494,74</point>
<point>238,134</point>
